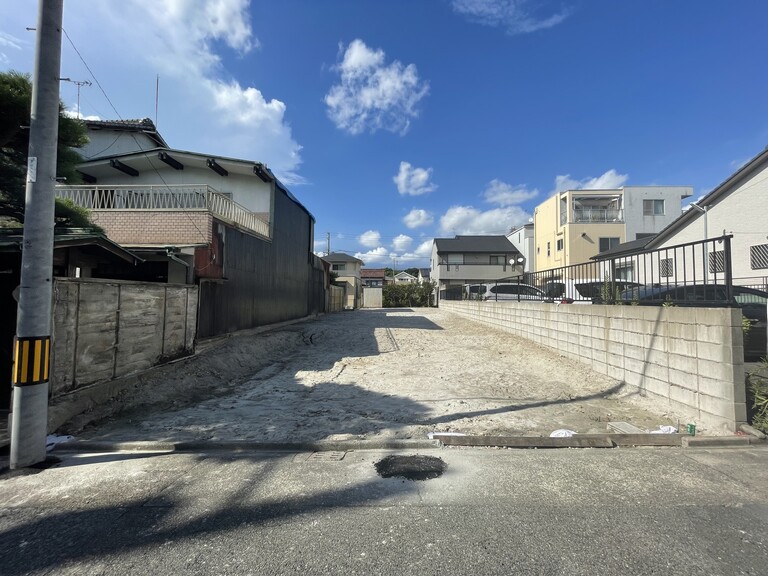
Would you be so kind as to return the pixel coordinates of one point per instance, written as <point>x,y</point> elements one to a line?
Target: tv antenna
<point>78,83</point>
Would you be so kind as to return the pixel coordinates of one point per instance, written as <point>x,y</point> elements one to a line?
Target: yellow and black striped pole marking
<point>31,360</point>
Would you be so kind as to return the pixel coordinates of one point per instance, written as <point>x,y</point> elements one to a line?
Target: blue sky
<point>398,121</point>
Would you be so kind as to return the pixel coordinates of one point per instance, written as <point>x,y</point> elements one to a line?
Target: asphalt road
<point>664,511</point>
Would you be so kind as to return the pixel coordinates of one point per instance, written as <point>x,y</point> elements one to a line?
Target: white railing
<point>170,198</point>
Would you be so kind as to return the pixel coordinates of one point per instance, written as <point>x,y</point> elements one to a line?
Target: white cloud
<point>379,254</point>
<point>504,194</point>
<point>471,221</point>
<point>373,95</point>
<point>401,243</point>
<point>8,41</point>
<point>369,239</point>
<point>414,181</point>
<point>417,217</point>
<point>186,43</point>
<point>512,15</point>
<point>319,246</point>
<point>607,180</point>
<point>424,249</point>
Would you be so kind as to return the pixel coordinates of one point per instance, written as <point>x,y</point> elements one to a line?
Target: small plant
<point>746,325</point>
<point>668,302</point>
<point>757,396</point>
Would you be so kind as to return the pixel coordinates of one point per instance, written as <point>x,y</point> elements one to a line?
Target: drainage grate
<point>411,467</point>
<point>329,456</point>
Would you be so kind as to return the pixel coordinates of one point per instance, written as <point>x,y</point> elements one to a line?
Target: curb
<point>720,441</point>
<point>245,446</point>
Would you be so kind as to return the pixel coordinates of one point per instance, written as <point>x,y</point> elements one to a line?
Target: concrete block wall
<point>170,227</point>
<point>692,359</point>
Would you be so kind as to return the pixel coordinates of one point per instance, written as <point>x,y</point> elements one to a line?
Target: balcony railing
<point>602,215</point>
<point>166,198</point>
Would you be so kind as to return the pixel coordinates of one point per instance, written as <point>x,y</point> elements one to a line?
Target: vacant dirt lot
<point>396,373</point>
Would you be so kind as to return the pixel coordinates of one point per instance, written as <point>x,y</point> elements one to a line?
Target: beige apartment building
<point>572,226</point>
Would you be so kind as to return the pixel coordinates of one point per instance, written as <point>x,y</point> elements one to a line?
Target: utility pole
<point>327,243</point>
<point>32,345</point>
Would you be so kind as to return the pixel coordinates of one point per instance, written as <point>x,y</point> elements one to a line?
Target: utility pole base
<point>29,425</point>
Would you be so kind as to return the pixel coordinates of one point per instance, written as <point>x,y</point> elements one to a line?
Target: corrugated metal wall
<point>265,282</point>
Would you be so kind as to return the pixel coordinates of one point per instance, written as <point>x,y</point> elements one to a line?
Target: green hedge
<point>408,295</point>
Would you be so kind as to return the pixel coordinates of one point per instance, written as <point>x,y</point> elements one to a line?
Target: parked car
<point>504,291</point>
<point>586,291</point>
<point>753,304</point>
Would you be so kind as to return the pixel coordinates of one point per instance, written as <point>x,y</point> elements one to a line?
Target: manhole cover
<point>411,467</point>
<point>319,457</point>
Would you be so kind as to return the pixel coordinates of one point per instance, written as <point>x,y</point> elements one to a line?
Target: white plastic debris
<point>432,435</point>
<point>52,439</point>
<point>665,430</point>
<point>562,433</point>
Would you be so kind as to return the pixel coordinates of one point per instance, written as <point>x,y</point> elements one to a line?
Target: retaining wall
<point>690,358</point>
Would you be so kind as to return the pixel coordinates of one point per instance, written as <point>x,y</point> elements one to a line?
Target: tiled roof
<point>498,244</point>
<point>373,273</point>
<point>142,125</point>
<point>341,257</point>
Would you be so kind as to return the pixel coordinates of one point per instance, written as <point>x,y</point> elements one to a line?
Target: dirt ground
<point>369,374</point>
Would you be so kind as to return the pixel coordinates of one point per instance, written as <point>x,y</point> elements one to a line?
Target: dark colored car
<point>753,304</point>
<point>586,291</point>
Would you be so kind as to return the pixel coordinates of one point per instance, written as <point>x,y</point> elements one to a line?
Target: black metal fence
<point>695,273</point>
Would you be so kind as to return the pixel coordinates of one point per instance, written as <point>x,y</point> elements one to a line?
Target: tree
<point>412,271</point>
<point>408,295</point>
<point>15,106</point>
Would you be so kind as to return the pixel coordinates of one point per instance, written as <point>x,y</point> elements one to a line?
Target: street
<point>570,512</point>
<point>205,494</point>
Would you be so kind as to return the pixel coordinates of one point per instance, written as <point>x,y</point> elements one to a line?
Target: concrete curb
<point>245,446</point>
<point>719,441</point>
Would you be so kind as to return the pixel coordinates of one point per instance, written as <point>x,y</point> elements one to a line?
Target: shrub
<point>408,295</point>
<point>757,396</point>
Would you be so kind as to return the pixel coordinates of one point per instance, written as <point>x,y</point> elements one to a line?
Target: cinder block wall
<point>690,358</point>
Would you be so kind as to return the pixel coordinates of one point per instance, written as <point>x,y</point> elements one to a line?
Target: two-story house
<point>373,277</point>
<point>572,226</point>
<point>348,271</point>
<point>473,259</point>
<point>225,223</point>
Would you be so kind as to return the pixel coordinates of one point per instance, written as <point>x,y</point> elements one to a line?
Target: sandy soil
<point>395,373</point>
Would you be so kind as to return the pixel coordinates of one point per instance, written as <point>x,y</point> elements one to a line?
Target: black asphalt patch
<point>411,467</point>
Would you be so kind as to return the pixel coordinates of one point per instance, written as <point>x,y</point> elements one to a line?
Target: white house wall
<point>114,142</point>
<point>743,213</point>
<point>637,223</point>
<point>248,191</point>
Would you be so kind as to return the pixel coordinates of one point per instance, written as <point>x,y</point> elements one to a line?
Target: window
<point>455,258</point>
<point>559,244</point>
<point>653,207</point>
<point>608,243</point>
<point>758,257</point>
<point>549,248</point>
<point>717,261</point>
<point>625,271</point>
<point>339,267</point>
<point>497,259</point>
<point>666,266</point>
